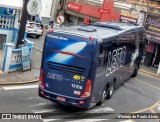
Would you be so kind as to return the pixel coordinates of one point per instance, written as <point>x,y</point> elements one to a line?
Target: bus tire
<point>135,72</point>
<point>110,91</point>
<point>103,96</point>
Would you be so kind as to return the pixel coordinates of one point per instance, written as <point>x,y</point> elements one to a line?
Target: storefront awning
<point>16,4</point>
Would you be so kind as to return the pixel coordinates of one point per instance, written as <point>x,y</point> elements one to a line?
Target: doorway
<point>2,41</point>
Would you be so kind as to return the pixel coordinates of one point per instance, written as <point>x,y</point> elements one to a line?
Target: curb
<point>19,83</point>
<point>149,73</point>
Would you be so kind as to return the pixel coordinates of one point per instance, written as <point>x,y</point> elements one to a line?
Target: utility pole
<point>22,23</point>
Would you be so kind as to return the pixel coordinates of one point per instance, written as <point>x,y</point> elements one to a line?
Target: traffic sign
<point>60,19</point>
<point>34,7</point>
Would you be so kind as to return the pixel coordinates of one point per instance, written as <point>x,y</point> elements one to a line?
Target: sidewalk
<point>31,76</point>
<point>149,71</point>
<point>23,77</point>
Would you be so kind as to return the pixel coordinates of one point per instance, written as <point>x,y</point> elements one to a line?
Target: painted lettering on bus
<point>116,59</point>
<point>54,76</point>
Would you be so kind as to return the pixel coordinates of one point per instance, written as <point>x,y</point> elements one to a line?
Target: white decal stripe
<point>20,87</point>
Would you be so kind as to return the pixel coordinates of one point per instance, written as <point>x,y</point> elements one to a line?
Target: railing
<point>13,57</point>
<point>6,21</point>
<point>16,60</point>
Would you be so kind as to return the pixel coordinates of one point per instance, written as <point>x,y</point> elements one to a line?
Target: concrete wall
<point>46,8</point>
<point>45,20</point>
<point>55,7</point>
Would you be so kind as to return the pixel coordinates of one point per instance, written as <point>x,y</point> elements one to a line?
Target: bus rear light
<point>87,90</point>
<point>41,79</point>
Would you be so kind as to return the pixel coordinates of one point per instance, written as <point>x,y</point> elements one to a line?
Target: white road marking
<point>20,87</point>
<point>39,104</point>
<point>126,121</point>
<point>50,120</point>
<point>43,111</point>
<point>89,120</point>
<point>100,110</point>
<point>33,98</point>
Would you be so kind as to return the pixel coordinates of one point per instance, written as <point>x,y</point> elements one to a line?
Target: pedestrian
<point>37,19</point>
<point>51,22</point>
<point>41,24</point>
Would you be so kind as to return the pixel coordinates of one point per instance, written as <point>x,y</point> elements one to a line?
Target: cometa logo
<point>76,77</point>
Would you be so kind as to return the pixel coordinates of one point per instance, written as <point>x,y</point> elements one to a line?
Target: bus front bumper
<point>69,101</point>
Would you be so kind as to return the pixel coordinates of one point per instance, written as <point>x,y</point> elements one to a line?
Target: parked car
<point>33,28</point>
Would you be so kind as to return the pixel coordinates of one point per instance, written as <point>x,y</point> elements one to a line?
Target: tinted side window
<point>102,55</point>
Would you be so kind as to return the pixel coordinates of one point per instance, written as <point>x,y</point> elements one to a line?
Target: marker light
<point>91,38</point>
<point>51,30</point>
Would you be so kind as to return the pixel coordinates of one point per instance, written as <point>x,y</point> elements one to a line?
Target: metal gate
<point>156,59</point>
<point>2,40</point>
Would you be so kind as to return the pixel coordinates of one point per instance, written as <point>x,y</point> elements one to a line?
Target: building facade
<point>78,12</point>
<point>151,22</point>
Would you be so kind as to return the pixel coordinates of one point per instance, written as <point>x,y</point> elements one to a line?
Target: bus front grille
<point>66,68</point>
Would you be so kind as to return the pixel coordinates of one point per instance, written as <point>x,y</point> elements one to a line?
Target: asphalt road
<point>134,95</point>
<point>37,42</point>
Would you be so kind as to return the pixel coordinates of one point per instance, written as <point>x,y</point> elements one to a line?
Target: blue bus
<point>82,65</point>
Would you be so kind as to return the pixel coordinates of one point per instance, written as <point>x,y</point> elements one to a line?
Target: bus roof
<point>100,30</point>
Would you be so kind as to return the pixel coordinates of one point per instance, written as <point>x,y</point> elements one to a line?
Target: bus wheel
<point>110,91</point>
<point>103,97</point>
<point>135,72</point>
